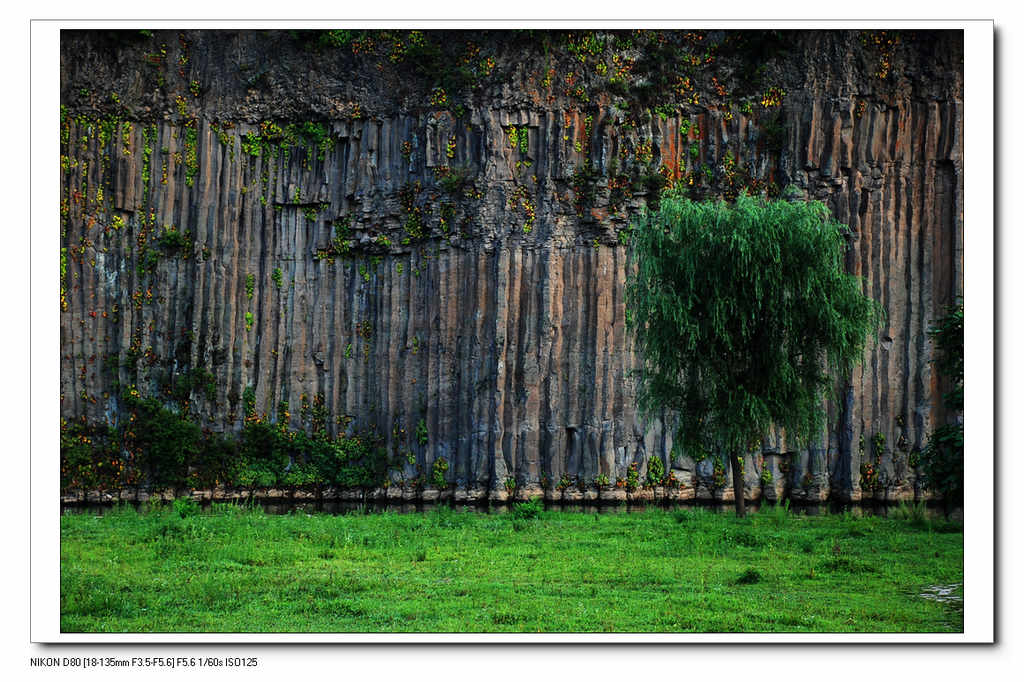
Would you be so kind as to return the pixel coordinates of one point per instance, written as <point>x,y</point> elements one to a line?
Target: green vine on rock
<point>191,152</point>
<point>438,473</point>
<point>422,435</point>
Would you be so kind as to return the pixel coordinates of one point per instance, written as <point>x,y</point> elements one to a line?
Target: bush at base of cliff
<point>164,443</point>
<point>942,461</point>
<point>90,456</point>
<point>160,448</point>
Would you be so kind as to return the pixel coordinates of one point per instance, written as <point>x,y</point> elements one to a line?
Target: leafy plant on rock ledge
<point>422,435</point>
<point>340,245</point>
<point>718,473</point>
<point>632,477</point>
<point>452,179</point>
<point>655,471</point>
<point>439,472</point>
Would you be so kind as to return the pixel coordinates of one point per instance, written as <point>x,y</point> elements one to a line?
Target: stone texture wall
<point>486,300</point>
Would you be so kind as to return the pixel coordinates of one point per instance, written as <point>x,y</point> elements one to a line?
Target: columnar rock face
<point>310,221</point>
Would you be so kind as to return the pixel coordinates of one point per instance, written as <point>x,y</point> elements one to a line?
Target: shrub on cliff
<point>90,456</point>
<point>942,462</point>
<point>743,316</point>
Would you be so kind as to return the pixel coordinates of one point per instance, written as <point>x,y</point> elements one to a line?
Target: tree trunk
<point>737,485</point>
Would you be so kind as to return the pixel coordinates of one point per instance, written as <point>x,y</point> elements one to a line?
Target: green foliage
<point>341,244</point>
<point>273,138</point>
<point>774,133</point>
<point>249,401</point>
<point>272,455</point>
<point>359,461</point>
<point>878,441</point>
<point>743,315</point>
<point>453,179</point>
<point>198,379</point>
<point>749,577</point>
<point>689,515</point>
<point>518,139</point>
<point>528,510</point>
<point>422,435</point>
<point>170,240</point>
<point>584,187</point>
<point>655,471</point>
<point>185,507</point>
<point>778,512</point>
<point>310,134</point>
<point>250,285</point>
<point>439,472</point>
<point>277,276</point>
<point>191,153</point>
<point>948,336</point>
<point>63,278</point>
<point>916,513</point>
<point>335,39</point>
<point>251,144</point>
<point>163,443</point>
<point>90,456</point>
<point>217,463</point>
<point>942,460</point>
<point>632,477</point>
<point>718,473</point>
<point>408,196</point>
<point>159,447</point>
<point>265,453</point>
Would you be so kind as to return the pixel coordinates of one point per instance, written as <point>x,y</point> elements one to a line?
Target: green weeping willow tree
<point>743,316</point>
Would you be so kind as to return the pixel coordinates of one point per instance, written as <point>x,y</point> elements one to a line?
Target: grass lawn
<point>238,570</point>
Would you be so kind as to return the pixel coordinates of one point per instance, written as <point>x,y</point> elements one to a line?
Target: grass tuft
<point>749,577</point>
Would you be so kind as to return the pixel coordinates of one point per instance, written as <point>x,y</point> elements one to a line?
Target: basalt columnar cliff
<point>424,233</point>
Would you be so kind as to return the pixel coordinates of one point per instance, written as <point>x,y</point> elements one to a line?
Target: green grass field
<point>238,570</point>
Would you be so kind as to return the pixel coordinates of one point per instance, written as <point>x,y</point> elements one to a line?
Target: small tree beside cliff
<point>743,317</point>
